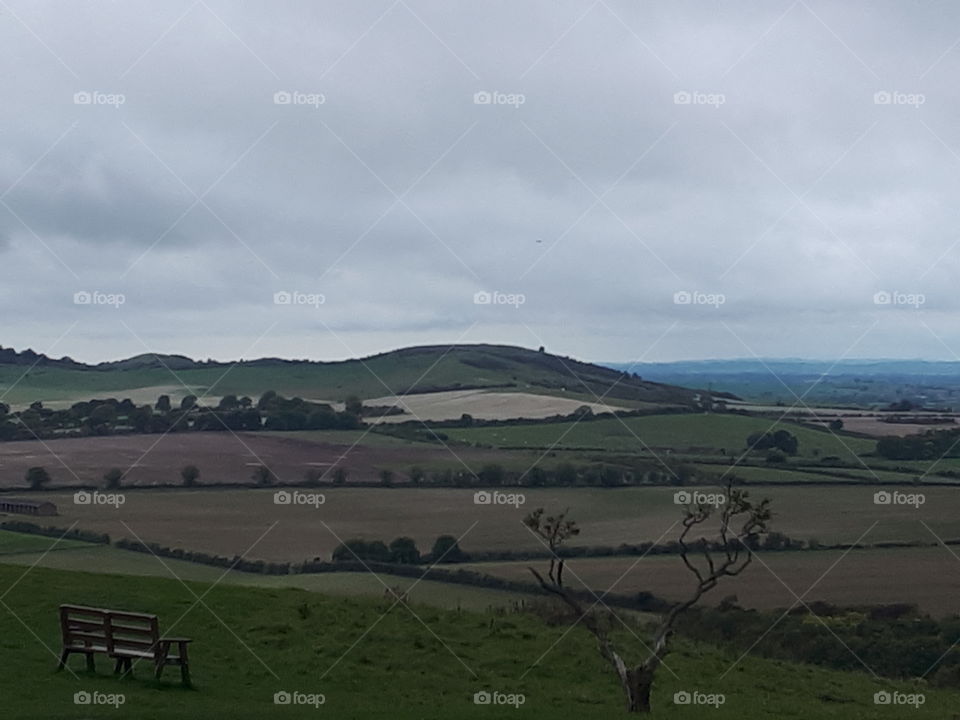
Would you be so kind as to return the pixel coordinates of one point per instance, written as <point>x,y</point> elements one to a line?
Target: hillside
<point>27,376</point>
<point>370,663</point>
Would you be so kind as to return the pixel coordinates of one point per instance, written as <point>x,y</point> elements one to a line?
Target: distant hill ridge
<point>425,368</point>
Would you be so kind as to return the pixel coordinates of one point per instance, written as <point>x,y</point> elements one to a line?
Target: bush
<point>190,475</point>
<point>37,477</point>
<point>113,478</point>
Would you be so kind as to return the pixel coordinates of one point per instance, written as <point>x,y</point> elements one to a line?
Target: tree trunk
<point>637,685</point>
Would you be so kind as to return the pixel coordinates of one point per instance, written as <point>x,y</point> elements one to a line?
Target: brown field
<point>928,577</point>
<point>222,456</point>
<point>876,427</point>
<point>228,521</point>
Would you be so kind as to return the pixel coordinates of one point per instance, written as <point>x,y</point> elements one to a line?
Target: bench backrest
<point>112,629</point>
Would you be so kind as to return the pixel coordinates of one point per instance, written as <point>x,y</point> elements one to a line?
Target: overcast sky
<point>627,180</point>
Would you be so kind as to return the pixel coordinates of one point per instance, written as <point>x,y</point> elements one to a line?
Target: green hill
<point>27,377</point>
<point>369,663</point>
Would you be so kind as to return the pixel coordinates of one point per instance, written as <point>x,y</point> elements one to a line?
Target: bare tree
<point>741,524</point>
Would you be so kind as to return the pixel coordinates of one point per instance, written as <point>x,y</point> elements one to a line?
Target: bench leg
<point>184,666</point>
<point>63,660</point>
<point>91,667</point>
<point>118,666</point>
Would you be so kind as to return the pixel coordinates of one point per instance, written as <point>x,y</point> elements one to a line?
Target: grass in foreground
<point>251,643</point>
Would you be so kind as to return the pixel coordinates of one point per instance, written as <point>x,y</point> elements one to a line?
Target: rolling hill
<point>26,377</point>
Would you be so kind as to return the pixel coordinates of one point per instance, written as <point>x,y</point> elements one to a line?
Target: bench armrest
<point>175,640</point>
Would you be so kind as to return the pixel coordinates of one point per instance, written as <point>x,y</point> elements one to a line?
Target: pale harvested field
<point>450,405</point>
<point>928,577</point>
<point>140,396</point>
<point>233,521</point>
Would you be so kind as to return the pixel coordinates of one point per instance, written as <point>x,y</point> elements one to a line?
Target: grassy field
<point>33,550</point>
<point>927,577</point>
<point>251,643</point>
<point>227,522</point>
<point>706,433</point>
<point>13,544</point>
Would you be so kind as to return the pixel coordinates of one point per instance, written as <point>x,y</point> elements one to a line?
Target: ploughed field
<point>229,521</point>
<point>227,458</point>
<point>927,577</point>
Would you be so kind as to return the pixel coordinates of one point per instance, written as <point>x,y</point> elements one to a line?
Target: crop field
<point>485,405</point>
<point>231,521</point>
<point>708,433</point>
<point>792,474</point>
<point>927,577</point>
<point>224,457</point>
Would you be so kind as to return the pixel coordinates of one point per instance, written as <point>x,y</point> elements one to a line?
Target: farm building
<point>27,507</point>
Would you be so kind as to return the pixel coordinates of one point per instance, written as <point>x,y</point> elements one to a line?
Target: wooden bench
<point>123,636</point>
